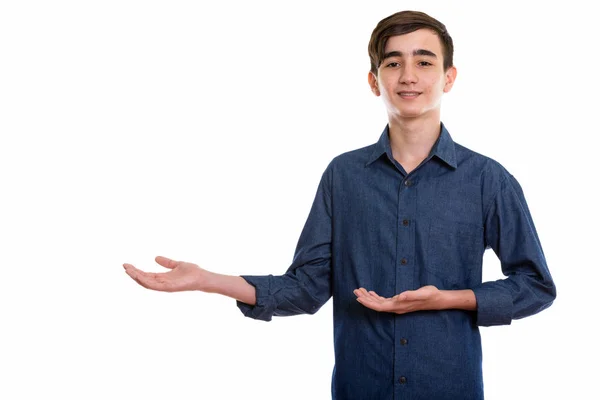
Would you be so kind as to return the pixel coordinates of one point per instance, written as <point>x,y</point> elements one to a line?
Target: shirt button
<point>403,261</point>
<point>408,182</point>
<point>403,342</point>
<point>405,222</point>
<point>402,380</point>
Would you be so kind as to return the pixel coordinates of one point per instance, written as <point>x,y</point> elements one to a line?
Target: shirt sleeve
<point>510,232</point>
<point>306,286</point>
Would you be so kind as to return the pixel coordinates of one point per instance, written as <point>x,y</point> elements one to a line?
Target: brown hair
<point>402,23</point>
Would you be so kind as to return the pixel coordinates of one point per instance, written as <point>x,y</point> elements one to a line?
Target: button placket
<point>407,195</point>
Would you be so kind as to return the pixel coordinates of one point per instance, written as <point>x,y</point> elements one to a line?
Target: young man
<point>396,235</point>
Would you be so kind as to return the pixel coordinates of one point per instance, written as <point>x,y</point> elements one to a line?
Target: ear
<point>450,78</point>
<point>373,84</point>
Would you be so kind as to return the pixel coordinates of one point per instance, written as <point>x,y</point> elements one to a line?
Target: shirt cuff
<point>264,308</point>
<point>494,305</point>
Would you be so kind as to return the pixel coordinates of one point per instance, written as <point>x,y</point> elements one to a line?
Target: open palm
<point>182,276</point>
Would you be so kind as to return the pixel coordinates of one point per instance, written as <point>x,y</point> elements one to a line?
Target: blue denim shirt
<point>374,226</point>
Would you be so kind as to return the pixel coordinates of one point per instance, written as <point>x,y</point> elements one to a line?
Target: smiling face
<point>411,78</point>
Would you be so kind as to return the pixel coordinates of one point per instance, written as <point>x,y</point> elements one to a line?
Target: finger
<point>166,262</point>
<point>145,279</point>
<point>365,301</point>
<point>130,269</point>
<point>158,276</point>
<point>368,294</point>
<point>149,280</point>
<point>369,300</point>
<point>375,295</point>
<point>133,273</point>
<point>372,304</point>
<point>409,295</point>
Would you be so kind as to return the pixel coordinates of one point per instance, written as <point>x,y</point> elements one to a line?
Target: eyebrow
<point>418,52</point>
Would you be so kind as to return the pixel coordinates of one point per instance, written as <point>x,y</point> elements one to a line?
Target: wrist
<point>207,281</point>
<point>457,299</point>
<point>443,300</point>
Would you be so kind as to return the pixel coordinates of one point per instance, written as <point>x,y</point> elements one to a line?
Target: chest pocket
<point>454,251</point>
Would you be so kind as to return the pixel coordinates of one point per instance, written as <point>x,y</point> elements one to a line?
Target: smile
<point>408,95</point>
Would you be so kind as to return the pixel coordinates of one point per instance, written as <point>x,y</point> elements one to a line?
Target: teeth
<point>408,93</point>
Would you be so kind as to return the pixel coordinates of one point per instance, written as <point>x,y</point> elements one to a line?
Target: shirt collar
<point>442,149</point>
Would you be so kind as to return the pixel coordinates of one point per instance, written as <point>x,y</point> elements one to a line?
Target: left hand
<point>425,298</point>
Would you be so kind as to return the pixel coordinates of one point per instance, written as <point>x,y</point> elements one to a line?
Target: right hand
<point>182,276</point>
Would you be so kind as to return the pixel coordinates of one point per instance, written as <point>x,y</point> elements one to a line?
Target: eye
<point>393,64</point>
<point>424,63</point>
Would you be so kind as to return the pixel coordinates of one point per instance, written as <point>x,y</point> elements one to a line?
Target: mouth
<point>408,94</point>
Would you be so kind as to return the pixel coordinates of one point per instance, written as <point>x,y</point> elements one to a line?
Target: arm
<point>425,298</point>
<point>510,232</point>
<point>306,286</point>
<point>235,287</point>
<point>528,288</point>
<point>303,289</point>
<point>187,276</point>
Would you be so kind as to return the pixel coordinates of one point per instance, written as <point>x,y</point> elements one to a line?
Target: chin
<point>414,112</point>
<point>410,113</point>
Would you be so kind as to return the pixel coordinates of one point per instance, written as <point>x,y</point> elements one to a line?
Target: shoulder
<point>354,157</point>
<point>347,165</point>
<point>351,160</point>
<point>494,180</point>
<point>488,169</point>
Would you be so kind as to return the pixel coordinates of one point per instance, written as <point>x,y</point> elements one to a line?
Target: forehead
<point>419,39</point>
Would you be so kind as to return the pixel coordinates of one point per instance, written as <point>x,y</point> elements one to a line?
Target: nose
<point>408,74</point>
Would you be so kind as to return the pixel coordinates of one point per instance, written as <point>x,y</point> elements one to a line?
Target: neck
<point>411,140</point>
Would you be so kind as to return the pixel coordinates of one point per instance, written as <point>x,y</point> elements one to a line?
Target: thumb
<point>166,262</point>
<point>407,295</point>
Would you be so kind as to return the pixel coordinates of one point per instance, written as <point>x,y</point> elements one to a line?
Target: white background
<point>131,129</point>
